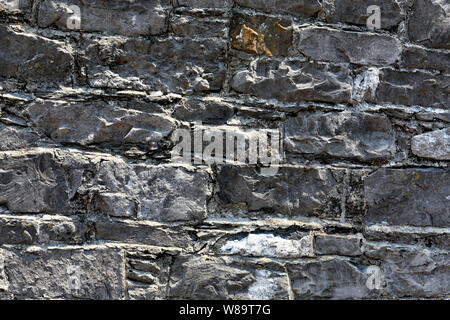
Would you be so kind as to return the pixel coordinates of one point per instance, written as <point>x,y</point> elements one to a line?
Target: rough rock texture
<point>45,273</point>
<point>417,197</point>
<point>355,12</point>
<point>433,145</point>
<point>325,44</point>
<point>146,17</point>
<point>94,204</point>
<point>434,32</point>
<point>290,81</point>
<point>347,135</point>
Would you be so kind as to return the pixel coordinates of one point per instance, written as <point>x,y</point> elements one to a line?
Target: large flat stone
<point>292,81</point>
<point>99,123</point>
<point>325,44</point>
<point>416,197</point>
<point>411,272</point>
<point>334,278</point>
<point>415,57</point>
<point>212,278</point>
<point>355,12</point>
<point>412,88</point>
<point>164,192</point>
<point>42,273</point>
<point>360,136</point>
<point>142,233</point>
<point>292,191</point>
<point>142,17</point>
<point>34,182</point>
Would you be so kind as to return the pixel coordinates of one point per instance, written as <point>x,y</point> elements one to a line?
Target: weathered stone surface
<point>64,230</point>
<point>290,81</point>
<point>411,271</point>
<point>98,122</point>
<point>412,88</point>
<point>204,277</point>
<point>196,4</point>
<point>142,17</point>
<point>354,204</point>
<point>13,138</point>
<point>148,274</point>
<point>416,197</point>
<point>328,244</point>
<point>429,23</point>
<point>46,273</point>
<point>207,110</point>
<point>115,204</point>
<point>43,59</point>
<point>261,35</point>
<point>18,231</point>
<point>142,233</point>
<point>3,279</point>
<point>432,145</point>
<point>167,65</point>
<point>44,230</point>
<point>183,25</point>
<point>292,191</point>
<point>355,12</point>
<point>164,192</point>
<point>360,136</point>
<point>299,8</point>
<point>437,115</point>
<point>14,6</point>
<point>424,236</point>
<point>324,44</point>
<point>415,57</point>
<point>33,182</point>
<point>269,245</point>
<point>335,278</point>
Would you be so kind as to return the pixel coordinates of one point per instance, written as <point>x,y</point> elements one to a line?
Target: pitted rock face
<point>224,149</point>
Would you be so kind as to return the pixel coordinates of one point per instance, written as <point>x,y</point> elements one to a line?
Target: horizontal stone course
<point>305,8</point>
<point>416,57</point>
<point>55,183</point>
<point>354,205</point>
<point>142,233</point>
<point>97,123</point>
<point>43,230</point>
<point>143,17</point>
<point>325,244</point>
<point>168,65</point>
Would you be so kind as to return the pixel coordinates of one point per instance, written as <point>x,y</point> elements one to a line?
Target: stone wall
<point>93,206</point>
